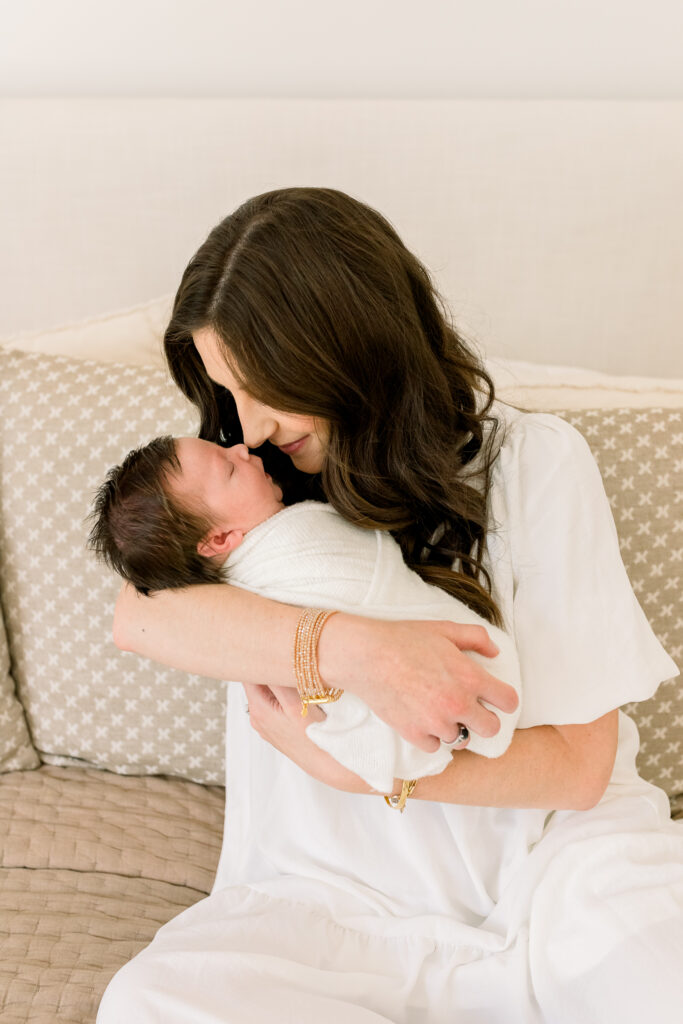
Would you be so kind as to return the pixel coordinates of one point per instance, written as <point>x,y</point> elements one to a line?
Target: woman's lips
<point>295,446</point>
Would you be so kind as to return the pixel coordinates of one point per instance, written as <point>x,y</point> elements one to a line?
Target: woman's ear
<point>220,543</point>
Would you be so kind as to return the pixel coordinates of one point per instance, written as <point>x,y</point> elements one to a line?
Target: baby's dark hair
<point>142,532</point>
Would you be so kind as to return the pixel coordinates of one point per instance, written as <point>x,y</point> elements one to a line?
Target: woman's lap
<point>603,942</point>
<point>241,956</point>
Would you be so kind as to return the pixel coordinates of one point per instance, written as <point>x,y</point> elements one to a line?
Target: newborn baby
<point>183,511</point>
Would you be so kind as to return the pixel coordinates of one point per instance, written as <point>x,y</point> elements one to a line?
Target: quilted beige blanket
<point>91,865</point>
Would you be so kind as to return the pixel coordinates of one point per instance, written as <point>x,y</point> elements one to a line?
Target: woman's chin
<point>307,463</point>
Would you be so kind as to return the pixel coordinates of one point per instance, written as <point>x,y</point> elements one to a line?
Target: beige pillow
<point>131,336</point>
<point>64,423</point>
<point>16,749</point>
<point>640,454</point>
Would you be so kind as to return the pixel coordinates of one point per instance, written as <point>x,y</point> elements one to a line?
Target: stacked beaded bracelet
<point>312,689</point>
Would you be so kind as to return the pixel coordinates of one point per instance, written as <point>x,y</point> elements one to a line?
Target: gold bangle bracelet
<point>398,802</point>
<point>312,689</point>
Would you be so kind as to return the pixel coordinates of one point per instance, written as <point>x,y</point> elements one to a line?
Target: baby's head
<point>172,512</point>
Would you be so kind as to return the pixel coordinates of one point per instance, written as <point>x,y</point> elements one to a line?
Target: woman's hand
<point>275,713</point>
<point>414,675</point>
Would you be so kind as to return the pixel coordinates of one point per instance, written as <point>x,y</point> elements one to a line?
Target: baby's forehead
<point>195,447</point>
<point>193,457</point>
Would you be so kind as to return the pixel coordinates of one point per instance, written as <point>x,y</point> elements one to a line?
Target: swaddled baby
<point>184,511</point>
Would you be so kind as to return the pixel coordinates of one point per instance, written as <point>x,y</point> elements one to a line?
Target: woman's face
<point>303,438</point>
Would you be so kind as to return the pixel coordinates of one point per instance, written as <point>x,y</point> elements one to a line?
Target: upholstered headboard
<point>552,228</point>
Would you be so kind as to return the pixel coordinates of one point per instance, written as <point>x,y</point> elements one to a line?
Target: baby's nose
<point>241,450</point>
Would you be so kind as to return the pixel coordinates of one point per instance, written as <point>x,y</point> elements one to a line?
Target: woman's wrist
<point>339,636</point>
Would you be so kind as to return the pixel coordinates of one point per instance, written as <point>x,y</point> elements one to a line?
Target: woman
<point>526,888</point>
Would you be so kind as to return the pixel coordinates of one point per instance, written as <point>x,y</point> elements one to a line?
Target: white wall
<point>372,49</point>
<point>343,48</point>
<point>553,228</point>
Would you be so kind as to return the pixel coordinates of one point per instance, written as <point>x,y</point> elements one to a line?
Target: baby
<point>184,511</point>
<point>172,512</point>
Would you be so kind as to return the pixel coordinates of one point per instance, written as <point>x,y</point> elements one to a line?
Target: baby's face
<point>228,483</point>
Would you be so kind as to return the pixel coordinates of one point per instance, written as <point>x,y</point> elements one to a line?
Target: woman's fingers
<point>415,676</point>
<point>264,700</point>
<point>482,722</point>
<point>259,699</point>
<point>470,638</point>
<point>461,703</point>
<point>290,702</point>
<point>275,714</point>
<point>491,689</point>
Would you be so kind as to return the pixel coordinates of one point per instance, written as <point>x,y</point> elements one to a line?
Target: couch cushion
<point>64,422</point>
<point>16,749</point>
<point>640,454</point>
<point>91,865</point>
<point>67,934</point>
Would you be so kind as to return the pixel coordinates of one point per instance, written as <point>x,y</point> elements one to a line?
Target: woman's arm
<point>556,767</point>
<point>217,631</point>
<point>564,767</point>
<point>412,674</point>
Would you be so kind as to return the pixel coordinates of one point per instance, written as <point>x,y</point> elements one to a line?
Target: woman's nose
<point>258,423</point>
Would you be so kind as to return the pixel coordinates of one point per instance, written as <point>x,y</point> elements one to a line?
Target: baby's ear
<point>220,543</point>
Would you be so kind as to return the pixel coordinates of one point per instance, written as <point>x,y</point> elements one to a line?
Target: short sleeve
<point>585,646</point>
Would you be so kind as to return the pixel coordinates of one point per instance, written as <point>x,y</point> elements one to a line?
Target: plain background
<point>617,298</point>
<point>571,49</point>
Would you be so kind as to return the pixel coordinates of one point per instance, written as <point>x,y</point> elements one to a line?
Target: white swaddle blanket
<point>308,555</point>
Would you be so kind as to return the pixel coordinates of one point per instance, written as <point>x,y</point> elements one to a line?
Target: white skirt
<point>586,929</point>
<point>605,949</point>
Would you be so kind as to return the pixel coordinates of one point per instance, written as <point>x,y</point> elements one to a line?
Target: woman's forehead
<point>213,354</point>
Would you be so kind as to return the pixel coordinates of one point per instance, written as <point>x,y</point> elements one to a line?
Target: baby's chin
<point>277,490</point>
<point>277,504</point>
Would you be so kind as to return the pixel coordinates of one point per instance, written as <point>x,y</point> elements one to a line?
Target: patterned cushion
<point>64,422</point>
<point>16,749</point>
<point>640,454</point>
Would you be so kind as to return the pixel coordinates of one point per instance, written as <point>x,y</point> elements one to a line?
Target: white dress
<point>329,908</point>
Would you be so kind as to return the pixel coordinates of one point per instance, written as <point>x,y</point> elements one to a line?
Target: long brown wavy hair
<point>324,312</point>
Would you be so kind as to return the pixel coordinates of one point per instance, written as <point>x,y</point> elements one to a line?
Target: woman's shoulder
<point>539,444</point>
<point>544,475</point>
<point>520,424</point>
